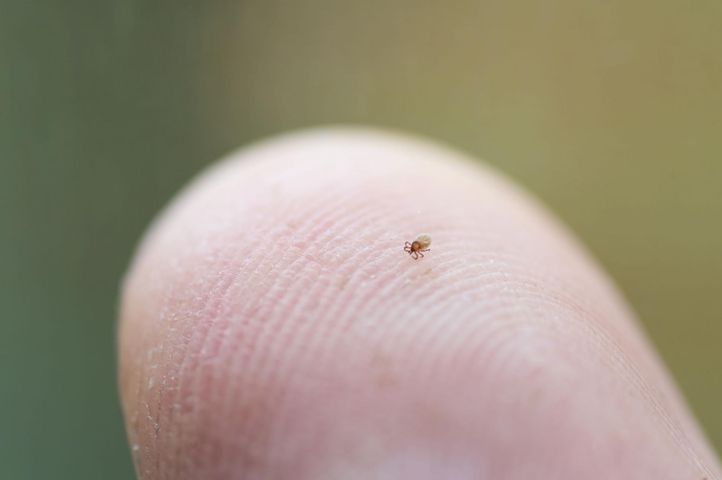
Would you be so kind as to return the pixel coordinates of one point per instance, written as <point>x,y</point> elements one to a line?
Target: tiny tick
<point>418,246</point>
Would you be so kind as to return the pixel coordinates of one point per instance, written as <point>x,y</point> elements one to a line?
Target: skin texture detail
<point>269,328</point>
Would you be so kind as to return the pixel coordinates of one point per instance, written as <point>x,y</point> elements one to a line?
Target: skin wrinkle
<point>340,328</point>
<point>489,332</point>
<point>140,381</point>
<point>625,365</point>
<point>416,292</point>
<point>628,371</point>
<point>155,358</point>
<point>167,349</point>
<point>127,381</point>
<point>460,286</point>
<point>502,369</point>
<point>163,344</point>
<point>222,324</point>
<point>619,360</point>
<point>258,340</point>
<point>426,345</point>
<point>191,363</point>
<point>608,344</point>
<point>289,315</point>
<point>209,340</point>
<point>255,340</point>
<point>449,284</point>
<point>581,296</point>
<point>472,329</point>
<point>297,305</point>
<point>216,326</point>
<point>226,328</point>
<point>322,242</point>
<point>292,309</point>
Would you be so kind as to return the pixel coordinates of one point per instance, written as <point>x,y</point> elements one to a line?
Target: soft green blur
<point>611,112</point>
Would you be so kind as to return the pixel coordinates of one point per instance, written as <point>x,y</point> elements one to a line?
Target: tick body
<point>417,248</point>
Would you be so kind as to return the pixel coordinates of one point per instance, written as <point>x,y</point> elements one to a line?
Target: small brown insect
<point>418,246</point>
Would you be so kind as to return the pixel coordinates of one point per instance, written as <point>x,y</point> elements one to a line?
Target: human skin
<point>272,327</point>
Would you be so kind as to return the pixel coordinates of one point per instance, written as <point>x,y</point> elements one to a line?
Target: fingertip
<point>272,326</point>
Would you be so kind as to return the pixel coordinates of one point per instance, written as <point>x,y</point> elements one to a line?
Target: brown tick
<point>418,246</point>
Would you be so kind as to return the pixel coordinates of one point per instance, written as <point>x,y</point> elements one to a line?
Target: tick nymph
<point>418,246</point>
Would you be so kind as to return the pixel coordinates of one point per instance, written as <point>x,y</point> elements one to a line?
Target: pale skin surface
<point>272,327</point>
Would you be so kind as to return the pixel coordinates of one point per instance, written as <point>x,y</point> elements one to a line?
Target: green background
<point>611,112</point>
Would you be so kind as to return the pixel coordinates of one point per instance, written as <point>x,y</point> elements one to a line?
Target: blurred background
<point>610,112</point>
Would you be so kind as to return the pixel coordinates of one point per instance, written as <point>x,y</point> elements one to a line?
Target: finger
<point>272,326</point>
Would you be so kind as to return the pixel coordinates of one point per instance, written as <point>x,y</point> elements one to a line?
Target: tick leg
<point>421,254</point>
